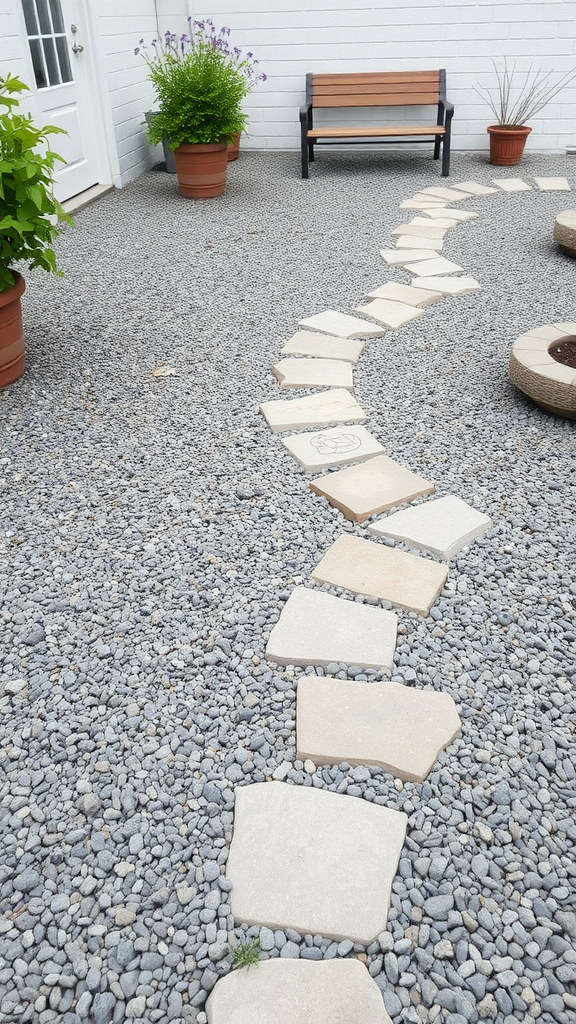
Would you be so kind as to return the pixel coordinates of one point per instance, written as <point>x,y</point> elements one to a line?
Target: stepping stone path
<point>442,526</point>
<point>374,486</point>
<point>314,861</point>
<point>313,373</point>
<point>397,727</point>
<point>386,573</point>
<point>315,628</point>
<point>309,859</point>
<point>298,992</point>
<point>333,447</point>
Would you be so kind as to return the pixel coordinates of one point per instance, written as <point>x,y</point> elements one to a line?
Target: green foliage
<point>199,96</point>
<point>29,213</point>
<point>246,954</point>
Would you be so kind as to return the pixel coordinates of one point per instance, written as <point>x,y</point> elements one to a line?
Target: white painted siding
<point>291,38</point>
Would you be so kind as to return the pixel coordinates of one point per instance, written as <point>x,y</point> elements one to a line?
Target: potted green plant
<point>29,216</point>
<point>200,83</point>
<point>514,104</point>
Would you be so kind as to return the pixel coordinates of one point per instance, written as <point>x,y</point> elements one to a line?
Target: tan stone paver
<point>378,571</point>
<point>449,285</point>
<point>460,215</point>
<point>474,188</point>
<point>313,373</point>
<point>391,314</point>
<point>334,406</point>
<point>330,321</point>
<point>373,486</point>
<point>422,204</point>
<point>312,860</point>
<point>332,447</point>
<point>442,526</point>
<point>420,227</point>
<point>397,258</point>
<point>512,184</point>
<point>316,628</point>
<point>325,346</point>
<point>431,268</point>
<point>553,184</point>
<point>407,293</point>
<point>419,242</point>
<point>451,195</point>
<point>400,728</point>
<point>284,991</point>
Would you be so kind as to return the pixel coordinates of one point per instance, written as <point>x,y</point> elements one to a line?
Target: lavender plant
<point>200,82</point>
<point>517,102</point>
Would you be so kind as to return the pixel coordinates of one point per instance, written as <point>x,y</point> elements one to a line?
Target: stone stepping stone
<point>474,188</point>
<point>378,571</point>
<point>399,728</point>
<point>325,346</point>
<point>442,224</point>
<point>397,258</point>
<point>391,314</point>
<point>334,447</point>
<point>318,862</point>
<point>334,406</point>
<point>553,184</point>
<point>431,268</point>
<point>340,324</point>
<point>440,192</point>
<point>288,991</point>
<point>419,242</point>
<point>422,204</point>
<point>405,293</point>
<point>313,373</point>
<point>315,628</point>
<point>461,215</point>
<point>450,285</point>
<point>373,486</point>
<point>442,526</point>
<point>512,184</point>
<point>420,227</point>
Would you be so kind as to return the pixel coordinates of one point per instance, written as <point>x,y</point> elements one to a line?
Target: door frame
<point>89,33</point>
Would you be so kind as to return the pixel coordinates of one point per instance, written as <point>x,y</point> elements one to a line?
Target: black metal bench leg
<point>437,147</point>
<point>446,154</point>
<point>304,147</point>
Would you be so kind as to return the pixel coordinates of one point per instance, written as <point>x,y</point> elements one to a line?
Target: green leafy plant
<point>29,213</point>
<point>200,84</point>
<point>246,954</point>
<point>520,96</point>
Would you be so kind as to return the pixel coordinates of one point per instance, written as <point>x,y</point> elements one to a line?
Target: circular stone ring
<point>543,366</point>
<point>565,231</point>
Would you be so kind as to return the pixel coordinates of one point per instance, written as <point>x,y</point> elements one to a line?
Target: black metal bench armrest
<point>305,109</point>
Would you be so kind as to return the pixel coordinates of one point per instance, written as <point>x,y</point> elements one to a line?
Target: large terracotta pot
<point>11,333</point>
<point>234,148</point>
<point>201,169</point>
<point>507,144</point>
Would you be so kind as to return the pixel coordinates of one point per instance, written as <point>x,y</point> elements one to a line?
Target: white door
<point>59,44</point>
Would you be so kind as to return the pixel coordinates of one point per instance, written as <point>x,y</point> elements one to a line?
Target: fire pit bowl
<point>565,231</point>
<point>543,366</point>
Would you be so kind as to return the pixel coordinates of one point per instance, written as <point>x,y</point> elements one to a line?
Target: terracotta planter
<point>234,148</point>
<point>11,333</point>
<point>507,144</point>
<point>201,169</point>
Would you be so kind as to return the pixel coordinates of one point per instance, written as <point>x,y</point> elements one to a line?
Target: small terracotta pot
<point>507,144</point>
<point>234,148</point>
<point>11,333</point>
<point>201,169</point>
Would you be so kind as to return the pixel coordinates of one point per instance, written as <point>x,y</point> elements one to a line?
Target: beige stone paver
<point>431,268</point>
<point>285,991</point>
<point>332,447</point>
<point>449,285</point>
<point>397,258</point>
<point>461,215</point>
<point>400,728</point>
<point>422,204</point>
<point>474,188</point>
<point>328,407</point>
<point>374,486</point>
<point>313,373</point>
<point>421,242</point>
<point>375,570</point>
<point>391,314</point>
<point>325,346</point>
<point>316,628</point>
<point>441,223</point>
<point>442,526</point>
<point>421,228</point>
<point>553,184</point>
<point>312,860</point>
<point>512,184</point>
<point>330,321</point>
<point>451,195</point>
<point>409,294</point>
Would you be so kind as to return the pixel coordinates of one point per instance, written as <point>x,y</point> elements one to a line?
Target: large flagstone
<point>391,314</point>
<point>284,991</point>
<point>374,486</point>
<point>341,325</point>
<point>313,373</point>
<point>332,447</point>
<point>449,285</point>
<point>400,728</point>
<point>432,268</point>
<point>312,860</point>
<point>316,628</point>
<point>442,526</point>
<point>375,570</point>
<point>325,346</point>
<point>405,293</point>
<point>334,406</point>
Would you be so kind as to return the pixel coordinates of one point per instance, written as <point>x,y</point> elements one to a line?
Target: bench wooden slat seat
<point>377,89</point>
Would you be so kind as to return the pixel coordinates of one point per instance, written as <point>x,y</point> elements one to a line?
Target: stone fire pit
<point>543,366</point>
<point>565,231</point>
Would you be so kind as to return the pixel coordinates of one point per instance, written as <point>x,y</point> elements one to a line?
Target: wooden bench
<point>379,89</point>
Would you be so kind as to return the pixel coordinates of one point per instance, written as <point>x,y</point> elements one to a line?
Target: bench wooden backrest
<point>377,89</point>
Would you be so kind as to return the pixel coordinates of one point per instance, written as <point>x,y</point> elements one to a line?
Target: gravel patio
<point>151,529</point>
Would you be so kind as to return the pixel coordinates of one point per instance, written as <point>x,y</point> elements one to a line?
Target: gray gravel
<point>150,530</point>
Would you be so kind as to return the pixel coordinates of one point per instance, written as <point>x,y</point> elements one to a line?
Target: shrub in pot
<point>29,216</point>
<point>516,101</point>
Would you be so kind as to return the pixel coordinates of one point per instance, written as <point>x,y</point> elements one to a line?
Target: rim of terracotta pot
<point>505,129</point>
<point>15,290</point>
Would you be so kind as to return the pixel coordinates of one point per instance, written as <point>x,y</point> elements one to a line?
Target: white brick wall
<point>291,37</point>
